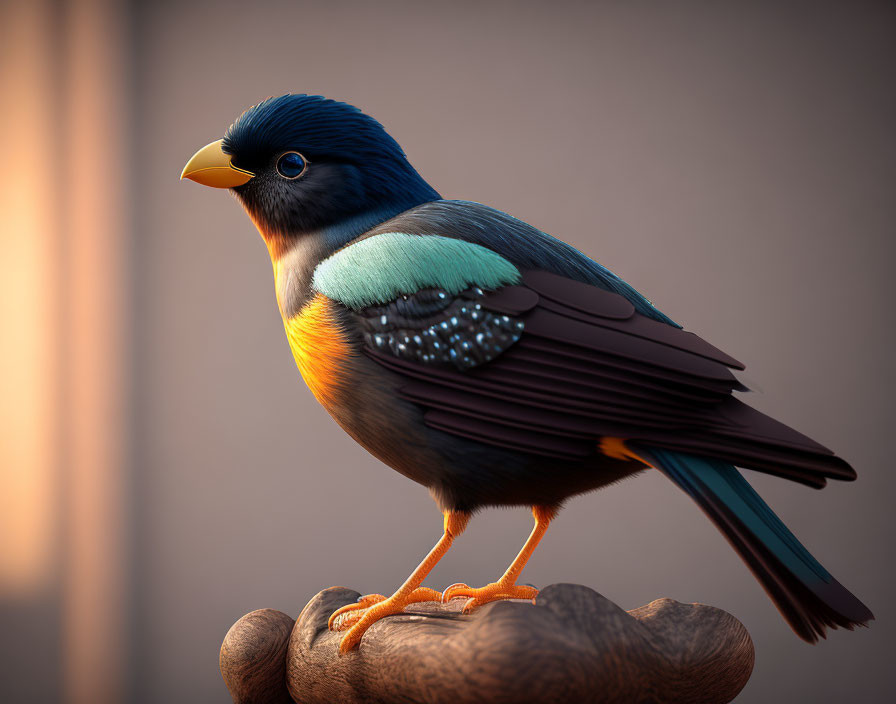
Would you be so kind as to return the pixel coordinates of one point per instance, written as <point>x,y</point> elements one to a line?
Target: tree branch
<point>573,645</point>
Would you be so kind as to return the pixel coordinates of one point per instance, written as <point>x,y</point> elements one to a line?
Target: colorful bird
<point>496,365</point>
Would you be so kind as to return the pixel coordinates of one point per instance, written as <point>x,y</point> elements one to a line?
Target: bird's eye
<point>291,165</point>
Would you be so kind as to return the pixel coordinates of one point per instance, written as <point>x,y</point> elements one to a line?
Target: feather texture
<point>582,370</point>
<point>525,246</point>
<point>808,597</point>
<point>379,269</point>
<point>432,327</point>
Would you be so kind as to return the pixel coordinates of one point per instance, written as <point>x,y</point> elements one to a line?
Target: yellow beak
<point>210,166</point>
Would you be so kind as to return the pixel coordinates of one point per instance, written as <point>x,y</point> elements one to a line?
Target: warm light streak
<point>63,225</point>
<point>28,286</point>
<point>95,206</point>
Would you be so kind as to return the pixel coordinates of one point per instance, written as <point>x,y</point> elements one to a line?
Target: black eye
<point>291,165</point>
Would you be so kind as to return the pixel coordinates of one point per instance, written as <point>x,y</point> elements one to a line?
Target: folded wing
<point>551,366</point>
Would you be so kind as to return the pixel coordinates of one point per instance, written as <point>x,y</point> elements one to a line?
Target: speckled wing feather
<point>585,366</point>
<point>432,327</point>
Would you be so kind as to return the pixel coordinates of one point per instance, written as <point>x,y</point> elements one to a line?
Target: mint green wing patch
<point>378,269</point>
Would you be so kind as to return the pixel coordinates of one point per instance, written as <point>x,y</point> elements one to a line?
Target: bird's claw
<point>478,596</point>
<point>358,617</point>
<point>340,620</point>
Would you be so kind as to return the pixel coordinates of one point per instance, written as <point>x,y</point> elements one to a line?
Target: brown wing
<point>587,366</point>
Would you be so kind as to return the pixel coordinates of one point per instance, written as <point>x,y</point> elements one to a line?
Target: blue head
<point>310,163</point>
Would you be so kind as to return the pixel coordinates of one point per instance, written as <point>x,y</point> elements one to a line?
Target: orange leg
<point>506,587</point>
<point>357,618</point>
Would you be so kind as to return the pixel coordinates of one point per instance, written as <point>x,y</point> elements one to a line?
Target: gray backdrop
<point>735,162</point>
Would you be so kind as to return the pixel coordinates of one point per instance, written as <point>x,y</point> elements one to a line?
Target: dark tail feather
<point>808,597</point>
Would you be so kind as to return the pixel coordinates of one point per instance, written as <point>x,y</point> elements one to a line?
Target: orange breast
<point>320,349</point>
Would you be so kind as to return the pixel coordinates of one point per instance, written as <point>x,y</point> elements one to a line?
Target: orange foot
<point>476,597</point>
<point>358,617</point>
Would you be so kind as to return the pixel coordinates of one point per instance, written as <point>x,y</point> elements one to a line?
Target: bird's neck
<point>294,263</point>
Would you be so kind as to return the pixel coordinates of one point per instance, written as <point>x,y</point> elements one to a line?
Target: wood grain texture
<point>573,645</point>
<point>253,658</point>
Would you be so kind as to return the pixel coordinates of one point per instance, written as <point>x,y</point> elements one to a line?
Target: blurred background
<point>163,470</point>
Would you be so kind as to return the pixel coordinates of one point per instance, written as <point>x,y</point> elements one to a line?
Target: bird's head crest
<point>311,124</point>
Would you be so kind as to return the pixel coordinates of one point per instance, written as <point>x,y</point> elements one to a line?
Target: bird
<point>497,365</point>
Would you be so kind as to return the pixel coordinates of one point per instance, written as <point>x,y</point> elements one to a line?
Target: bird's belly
<point>360,396</point>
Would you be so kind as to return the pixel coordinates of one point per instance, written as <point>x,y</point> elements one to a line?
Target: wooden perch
<point>573,645</point>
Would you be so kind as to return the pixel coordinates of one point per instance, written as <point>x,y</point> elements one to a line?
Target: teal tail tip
<point>805,593</point>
